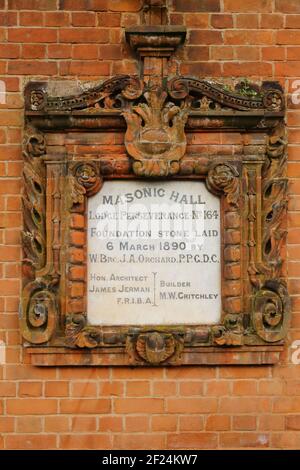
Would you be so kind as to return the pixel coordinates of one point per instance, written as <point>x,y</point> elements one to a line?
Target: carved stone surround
<point>156,118</point>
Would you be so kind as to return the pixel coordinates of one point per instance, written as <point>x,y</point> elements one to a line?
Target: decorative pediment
<point>204,95</point>
<point>156,113</point>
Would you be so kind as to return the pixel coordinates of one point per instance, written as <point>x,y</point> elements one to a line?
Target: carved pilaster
<point>40,277</point>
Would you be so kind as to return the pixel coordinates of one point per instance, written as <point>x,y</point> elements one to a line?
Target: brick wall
<point>195,407</point>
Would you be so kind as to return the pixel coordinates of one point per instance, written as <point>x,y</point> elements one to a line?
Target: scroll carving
<point>79,334</point>
<point>209,95</point>
<point>224,178</point>
<point>85,180</point>
<point>230,333</point>
<point>271,311</point>
<point>107,95</point>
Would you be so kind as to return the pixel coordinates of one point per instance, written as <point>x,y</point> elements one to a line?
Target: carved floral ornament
<point>155,119</point>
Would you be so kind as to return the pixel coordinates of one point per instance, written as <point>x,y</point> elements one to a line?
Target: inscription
<point>154,254</point>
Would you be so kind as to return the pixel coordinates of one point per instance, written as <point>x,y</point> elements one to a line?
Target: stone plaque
<point>154,254</point>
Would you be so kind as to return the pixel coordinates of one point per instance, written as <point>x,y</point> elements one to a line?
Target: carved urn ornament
<point>155,136</point>
<point>152,115</point>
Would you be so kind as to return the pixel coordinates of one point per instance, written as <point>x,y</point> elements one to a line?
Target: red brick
<point>9,51</point>
<point>221,52</point>
<point>149,373</point>
<point>285,440</point>
<point>292,6</point>
<point>7,424</point>
<point>197,53</point>
<point>212,69</point>
<point>94,5</point>
<point>32,4</point>
<point>32,18</point>
<point>205,37</point>
<point>109,19</point>
<point>8,18</point>
<point>138,405</point>
<point>198,20</point>
<point>191,389</point>
<point>222,21</point>
<point>187,440</point>
<point>272,21</point>
<point>244,405</point>
<point>245,387</point>
<point>247,439</point>
<point>110,52</point>
<point>196,5</point>
<point>248,37</point>
<point>247,53</point>
<point>31,442</point>
<point>164,423</point>
<point>218,423</point>
<point>139,441</point>
<point>84,19</point>
<point>82,68</point>
<point>77,273</point>
<point>7,389</point>
<point>190,373</point>
<point>39,35</point>
<point>248,6</point>
<point>83,35</point>
<point>271,423</point>
<point>23,67</point>
<point>191,405</point>
<point>293,422</point>
<point>191,423</point>
<point>84,424</point>
<point>59,51</point>
<point>125,5</point>
<point>30,389</point>
<point>270,387</point>
<point>247,21</point>
<point>58,424</point>
<point>273,53</point>
<point>29,424</point>
<point>9,287</point>
<point>33,51</point>
<point>57,18</point>
<point>137,388</point>
<point>56,389</point>
<point>85,441</point>
<point>244,423</point>
<point>84,389</point>
<point>288,37</point>
<point>33,406</point>
<point>164,388</point>
<point>137,423</point>
<point>217,388</point>
<point>292,21</point>
<point>285,405</point>
<point>110,423</point>
<point>248,69</point>
<point>85,406</point>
